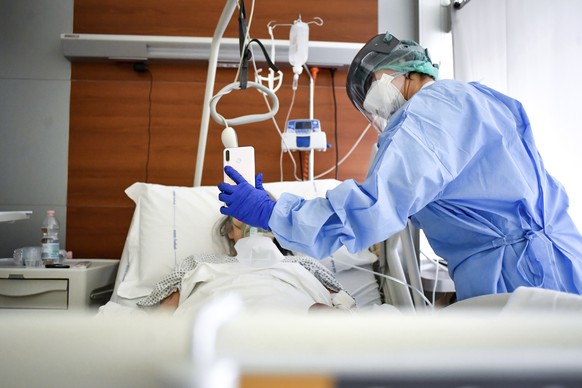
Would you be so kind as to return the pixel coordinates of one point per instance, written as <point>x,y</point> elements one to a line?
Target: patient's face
<point>239,230</point>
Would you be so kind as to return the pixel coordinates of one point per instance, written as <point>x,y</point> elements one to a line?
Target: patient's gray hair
<point>223,227</point>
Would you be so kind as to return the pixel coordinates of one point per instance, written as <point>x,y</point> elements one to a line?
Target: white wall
<point>530,49</point>
<point>424,21</point>
<point>399,17</point>
<point>34,116</point>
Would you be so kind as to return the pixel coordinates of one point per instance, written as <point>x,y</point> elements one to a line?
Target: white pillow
<point>170,223</point>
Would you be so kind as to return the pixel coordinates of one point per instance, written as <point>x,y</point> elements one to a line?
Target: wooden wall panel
<point>344,20</point>
<point>128,127</point>
<point>98,231</point>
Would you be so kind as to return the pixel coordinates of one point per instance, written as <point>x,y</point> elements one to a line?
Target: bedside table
<point>74,288</point>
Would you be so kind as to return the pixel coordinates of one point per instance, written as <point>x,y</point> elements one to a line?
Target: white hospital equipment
<point>273,79</point>
<point>303,135</point>
<point>299,45</point>
<point>12,216</point>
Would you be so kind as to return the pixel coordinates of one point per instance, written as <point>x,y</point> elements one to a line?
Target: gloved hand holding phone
<point>245,202</point>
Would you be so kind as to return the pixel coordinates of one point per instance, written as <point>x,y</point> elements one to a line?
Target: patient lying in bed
<point>258,271</point>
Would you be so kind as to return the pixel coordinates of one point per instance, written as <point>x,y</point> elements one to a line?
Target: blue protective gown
<point>460,161</point>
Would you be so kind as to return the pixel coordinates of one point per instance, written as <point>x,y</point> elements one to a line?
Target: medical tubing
<point>335,134</point>
<point>295,82</point>
<point>307,157</point>
<point>281,136</point>
<point>247,37</point>
<point>435,261</point>
<point>270,63</point>
<point>419,292</point>
<point>438,267</point>
<point>242,39</point>
<point>436,281</point>
<point>286,121</point>
<point>347,154</point>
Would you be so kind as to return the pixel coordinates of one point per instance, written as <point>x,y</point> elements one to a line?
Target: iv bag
<point>298,45</point>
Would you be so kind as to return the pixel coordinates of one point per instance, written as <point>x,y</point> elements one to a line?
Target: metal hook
<point>275,24</point>
<point>317,21</point>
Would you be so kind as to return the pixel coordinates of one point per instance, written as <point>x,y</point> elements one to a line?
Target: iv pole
<point>227,12</point>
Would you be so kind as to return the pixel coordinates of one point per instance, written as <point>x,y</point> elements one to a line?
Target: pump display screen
<point>303,125</point>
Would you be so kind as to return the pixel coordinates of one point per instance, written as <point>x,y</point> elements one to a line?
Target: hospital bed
<point>171,223</point>
<point>532,343</point>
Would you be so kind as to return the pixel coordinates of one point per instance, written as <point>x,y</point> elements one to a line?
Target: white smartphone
<point>242,159</point>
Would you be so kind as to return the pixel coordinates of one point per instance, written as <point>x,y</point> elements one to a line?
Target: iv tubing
<point>311,93</point>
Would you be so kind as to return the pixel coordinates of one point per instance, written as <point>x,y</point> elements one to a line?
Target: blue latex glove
<point>251,205</point>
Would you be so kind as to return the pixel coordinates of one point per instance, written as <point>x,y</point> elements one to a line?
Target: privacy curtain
<point>532,51</point>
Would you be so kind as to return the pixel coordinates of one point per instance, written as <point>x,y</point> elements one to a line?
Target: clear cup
<point>28,256</point>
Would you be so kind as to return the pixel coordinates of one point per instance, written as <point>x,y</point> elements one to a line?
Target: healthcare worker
<point>458,159</point>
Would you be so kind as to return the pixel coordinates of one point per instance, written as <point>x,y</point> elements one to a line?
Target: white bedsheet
<point>538,299</point>
<point>286,286</point>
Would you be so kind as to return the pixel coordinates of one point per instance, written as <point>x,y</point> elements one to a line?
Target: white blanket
<point>282,285</point>
<point>538,299</point>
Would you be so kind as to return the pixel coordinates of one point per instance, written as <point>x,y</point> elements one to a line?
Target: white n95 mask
<point>257,251</point>
<point>382,101</point>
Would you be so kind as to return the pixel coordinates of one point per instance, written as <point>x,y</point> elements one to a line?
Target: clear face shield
<point>361,72</point>
<point>384,54</point>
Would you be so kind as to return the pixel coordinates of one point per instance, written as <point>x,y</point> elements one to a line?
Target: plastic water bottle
<point>50,239</point>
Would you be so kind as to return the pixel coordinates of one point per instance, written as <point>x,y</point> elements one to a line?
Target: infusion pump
<point>304,135</point>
